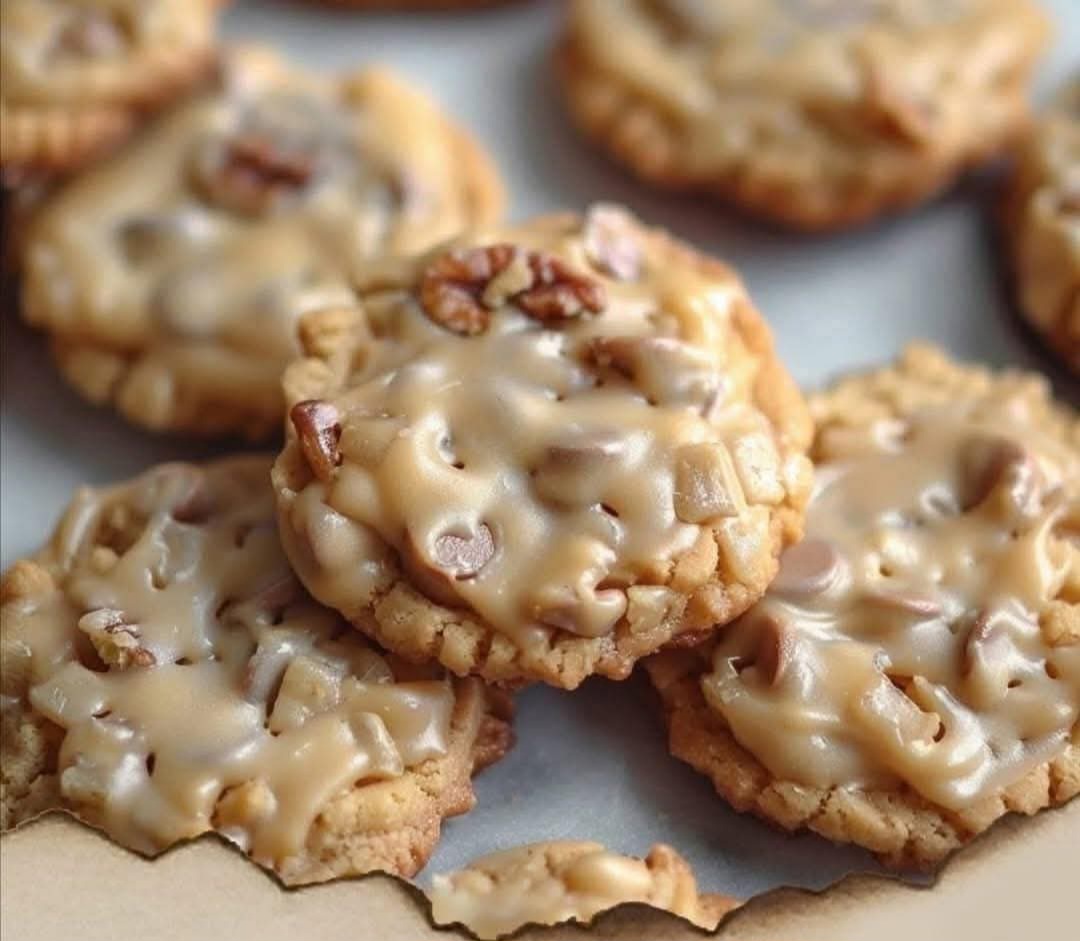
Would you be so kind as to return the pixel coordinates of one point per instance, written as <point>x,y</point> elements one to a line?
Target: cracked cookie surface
<point>913,673</point>
<point>543,452</point>
<point>78,75</point>
<point>170,277</point>
<point>1042,220</point>
<point>165,675</point>
<point>567,880</point>
<point>812,113</point>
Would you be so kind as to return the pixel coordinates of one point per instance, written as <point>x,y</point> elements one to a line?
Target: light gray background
<point>593,764</point>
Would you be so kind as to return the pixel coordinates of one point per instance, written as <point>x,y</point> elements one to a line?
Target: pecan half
<point>460,288</point>
<point>318,429</point>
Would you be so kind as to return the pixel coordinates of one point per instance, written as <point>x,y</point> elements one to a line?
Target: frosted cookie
<point>813,113</point>
<point>77,75</point>
<point>171,276</point>
<point>1042,221</point>
<point>561,881</point>
<point>913,673</point>
<point>543,452</point>
<point>165,675</point>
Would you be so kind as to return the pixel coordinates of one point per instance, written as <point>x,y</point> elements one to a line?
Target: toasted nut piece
<point>559,292</point>
<point>245,806</point>
<point>318,429</point>
<point>451,286</point>
<point>115,640</point>
<point>365,439</point>
<point>706,485</point>
<point>758,466</point>
<point>256,171</point>
<point>591,614</point>
<point>460,287</point>
<point>610,237</point>
<point>309,685</point>
<point>808,568</point>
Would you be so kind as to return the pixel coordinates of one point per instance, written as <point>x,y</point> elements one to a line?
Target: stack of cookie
<point>534,453</point>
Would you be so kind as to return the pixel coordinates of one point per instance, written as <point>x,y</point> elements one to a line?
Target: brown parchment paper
<point>61,881</point>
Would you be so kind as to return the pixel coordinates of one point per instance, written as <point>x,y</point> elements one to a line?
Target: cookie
<point>170,277</point>
<point>567,880</point>
<point>913,673</point>
<point>165,675</point>
<point>78,77</point>
<point>1042,226</point>
<point>543,452</point>
<point>815,114</point>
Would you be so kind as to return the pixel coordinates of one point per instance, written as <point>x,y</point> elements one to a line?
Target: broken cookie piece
<point>563,880</point>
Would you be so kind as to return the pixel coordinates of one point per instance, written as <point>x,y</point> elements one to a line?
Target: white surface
<point>593,764</point>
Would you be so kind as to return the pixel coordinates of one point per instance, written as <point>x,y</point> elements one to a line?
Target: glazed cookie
<point>1042,220</point>
<point>77,74</point>
<point>913,673</point>
<point>542,453</point>
<point>560,881</point>
<point>814,113</point>
<point>171,276</point>
<point>165,675</point>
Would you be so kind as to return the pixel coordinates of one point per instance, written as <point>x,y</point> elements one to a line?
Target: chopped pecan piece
<point>254,171</point>
<point>318,429</point>
<point>460,288</point>
<point>116,641</point>
<point>587,614</point>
